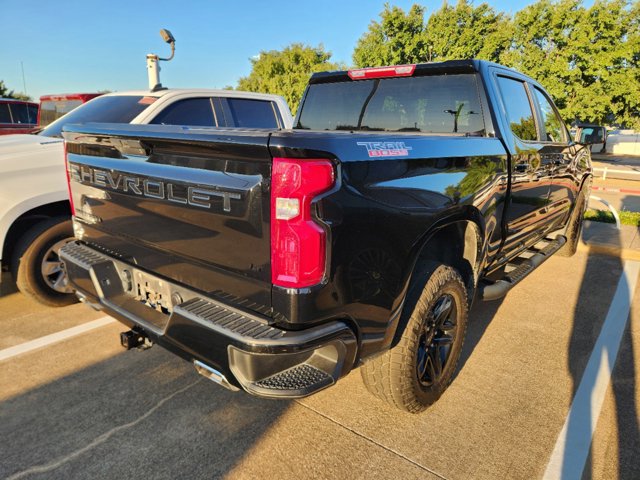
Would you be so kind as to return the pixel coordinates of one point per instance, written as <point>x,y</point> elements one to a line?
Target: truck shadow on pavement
<point>480,316</point>
<point>132,415</point>
<point>583,345</point>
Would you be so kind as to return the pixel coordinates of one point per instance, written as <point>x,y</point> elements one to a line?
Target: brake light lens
<point>298,243</point>
<point>382,72</point>
<point>66,169</point>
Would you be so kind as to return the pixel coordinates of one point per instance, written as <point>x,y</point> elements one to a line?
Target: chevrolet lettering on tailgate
<point>146,187</point>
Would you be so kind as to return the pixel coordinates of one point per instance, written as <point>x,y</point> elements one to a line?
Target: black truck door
<point>560,155</point>
<point>527,215</point>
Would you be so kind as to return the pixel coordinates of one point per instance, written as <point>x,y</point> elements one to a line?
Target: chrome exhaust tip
<point>213,375</point>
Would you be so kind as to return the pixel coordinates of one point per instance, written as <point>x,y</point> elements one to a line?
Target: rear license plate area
<point>152,292</point>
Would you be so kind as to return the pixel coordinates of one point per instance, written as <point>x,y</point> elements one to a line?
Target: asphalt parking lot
<point>84,408</point>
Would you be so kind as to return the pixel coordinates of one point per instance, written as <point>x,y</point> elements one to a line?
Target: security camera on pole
<point>153,68</point>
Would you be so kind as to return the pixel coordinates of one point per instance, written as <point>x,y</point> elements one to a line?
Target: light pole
<point>153,67</point>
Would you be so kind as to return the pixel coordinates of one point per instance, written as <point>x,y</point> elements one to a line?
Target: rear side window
<point>20,113</point>
<point>248,113</point>
<point>191,112</point>
<point>430,104</point>
<point>5,116</point>
<point>519,112</point>
<point>33,113</point>
<point>106,109</point>
<point>554,129</point>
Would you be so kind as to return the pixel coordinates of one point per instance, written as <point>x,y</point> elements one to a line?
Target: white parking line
<point>574,443</point>
<point>26,347</point>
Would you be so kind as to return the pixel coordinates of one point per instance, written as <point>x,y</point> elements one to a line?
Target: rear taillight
<point>298,243</point>
<point>382,72</point>
<point>66,169</point>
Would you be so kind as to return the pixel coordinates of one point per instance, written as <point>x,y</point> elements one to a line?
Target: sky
<point>70,46</point>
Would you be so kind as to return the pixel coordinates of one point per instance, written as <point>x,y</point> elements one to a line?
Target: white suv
<point>34,206</point>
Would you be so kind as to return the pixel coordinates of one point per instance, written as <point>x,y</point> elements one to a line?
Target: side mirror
<point>166,36</point>
<point>590,136</point>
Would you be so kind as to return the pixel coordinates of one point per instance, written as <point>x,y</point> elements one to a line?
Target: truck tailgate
<point>193,209</point>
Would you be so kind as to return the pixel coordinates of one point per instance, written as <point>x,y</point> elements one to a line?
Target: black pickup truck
<point>276,261</point>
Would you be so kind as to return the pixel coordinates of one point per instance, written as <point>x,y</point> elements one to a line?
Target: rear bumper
<point>240,346</point>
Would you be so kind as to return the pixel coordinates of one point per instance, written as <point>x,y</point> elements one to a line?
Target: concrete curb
<point>610,250</point>
<point>630,191</point>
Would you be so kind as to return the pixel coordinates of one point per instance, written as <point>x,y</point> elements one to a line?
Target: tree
<point>6,93</point>
<point>465,31</point>
<point>286,72</point>
<point>397,38</point>
<point>586,58</point>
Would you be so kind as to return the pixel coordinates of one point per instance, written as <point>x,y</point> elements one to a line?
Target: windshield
<point>430,104</point>
<point>107,109</point>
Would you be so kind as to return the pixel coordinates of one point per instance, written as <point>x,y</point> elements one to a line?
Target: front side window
<point>553,126</point>
<point>438,104</point>
<point>196,112</point>
<point>519,112</point>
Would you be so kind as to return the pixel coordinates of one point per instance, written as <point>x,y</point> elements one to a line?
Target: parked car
<point>34,201</point>
<point>52,107</point>
<point>17,116</point>
<point>278,261</point>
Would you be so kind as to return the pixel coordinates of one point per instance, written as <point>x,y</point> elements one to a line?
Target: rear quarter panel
<point>382,211</point>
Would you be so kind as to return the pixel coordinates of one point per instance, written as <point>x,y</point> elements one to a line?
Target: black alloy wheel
<point>436,340</point>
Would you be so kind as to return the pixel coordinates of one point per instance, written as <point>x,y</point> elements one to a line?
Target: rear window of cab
<point>441,104</point>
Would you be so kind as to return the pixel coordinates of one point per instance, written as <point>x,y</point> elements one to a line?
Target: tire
<point>402,376</point>
<point>35,254</point>
<point>574,228</point>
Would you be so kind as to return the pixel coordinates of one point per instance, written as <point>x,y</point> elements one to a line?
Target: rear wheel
<point>36,266</point>
<point>418,369</point>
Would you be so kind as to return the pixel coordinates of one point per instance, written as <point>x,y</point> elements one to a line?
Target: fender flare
<point>25,206</point>
<point>469,216</point>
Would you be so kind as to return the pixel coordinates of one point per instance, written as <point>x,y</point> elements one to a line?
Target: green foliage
<point>6,93</point>
<point>584,57</point>
<point>605,216</point>
<point>467,31</point>
<point>479,171</point>
<point>587,58</point>
<point>397,39</point>
<point>286,72</point>
<point>525,129</point>
<point>460,31</point>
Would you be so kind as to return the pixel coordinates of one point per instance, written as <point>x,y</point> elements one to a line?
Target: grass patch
<point>626,217</point>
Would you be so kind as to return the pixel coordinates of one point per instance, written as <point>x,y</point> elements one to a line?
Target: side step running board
<point>500,288</point>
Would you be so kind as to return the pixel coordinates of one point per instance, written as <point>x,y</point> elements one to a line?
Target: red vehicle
<point>53,107</point>
<point>17,116</point>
